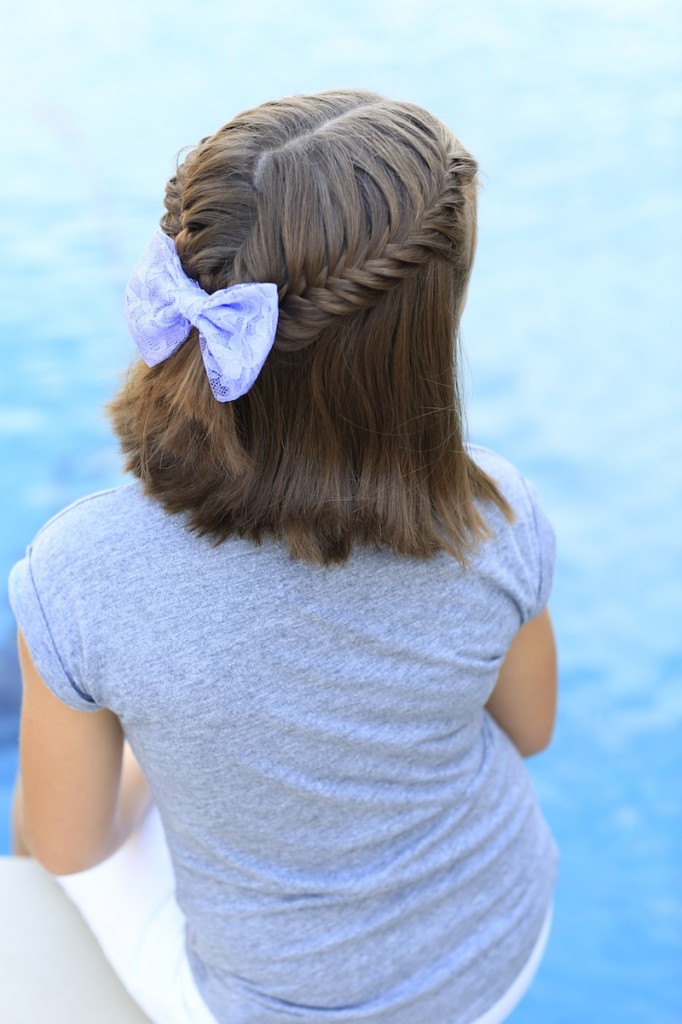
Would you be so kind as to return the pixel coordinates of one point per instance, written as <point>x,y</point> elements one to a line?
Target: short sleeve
<point>523,554</point>
<point>544,553</point>
<point>44,611</point>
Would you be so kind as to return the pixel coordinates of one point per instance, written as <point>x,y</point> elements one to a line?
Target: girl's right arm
<point>80,792</point>
<point>523,702</point>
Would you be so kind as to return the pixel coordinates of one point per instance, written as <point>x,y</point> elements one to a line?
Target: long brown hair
<point>363,212</point>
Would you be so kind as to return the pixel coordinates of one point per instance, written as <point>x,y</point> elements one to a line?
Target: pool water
<point>574,362</point>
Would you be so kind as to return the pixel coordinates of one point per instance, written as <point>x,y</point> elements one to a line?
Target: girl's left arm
<point>80,792</point>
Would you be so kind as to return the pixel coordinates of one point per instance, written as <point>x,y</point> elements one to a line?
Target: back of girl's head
<point>363,212</point>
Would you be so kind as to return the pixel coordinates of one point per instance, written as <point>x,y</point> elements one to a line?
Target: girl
<point>317,617</point>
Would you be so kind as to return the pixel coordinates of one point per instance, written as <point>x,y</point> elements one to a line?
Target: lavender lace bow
<point>236,325</point>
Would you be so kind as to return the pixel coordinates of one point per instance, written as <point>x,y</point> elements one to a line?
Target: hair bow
<point>236,325</point>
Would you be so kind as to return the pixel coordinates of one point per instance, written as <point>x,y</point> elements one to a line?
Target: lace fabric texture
<point>236,325</point>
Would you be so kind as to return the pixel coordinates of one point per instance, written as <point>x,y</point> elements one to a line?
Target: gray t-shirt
<point>354,839</point>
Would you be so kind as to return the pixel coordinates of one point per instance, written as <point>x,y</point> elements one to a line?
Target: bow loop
<point>237,325</point>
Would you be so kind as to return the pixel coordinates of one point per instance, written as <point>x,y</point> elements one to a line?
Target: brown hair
<point>363,212</point>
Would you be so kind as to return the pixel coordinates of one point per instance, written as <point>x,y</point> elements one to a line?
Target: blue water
<point>572,333</point>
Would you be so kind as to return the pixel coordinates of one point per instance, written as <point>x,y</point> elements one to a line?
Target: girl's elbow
<point>60,858</point>
<point>534,742</point>
<point>57,863</point>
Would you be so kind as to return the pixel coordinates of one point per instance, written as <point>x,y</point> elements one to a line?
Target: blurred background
<point>572,336</point>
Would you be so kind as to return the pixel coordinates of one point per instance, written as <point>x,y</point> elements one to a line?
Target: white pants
<point>128,902</point>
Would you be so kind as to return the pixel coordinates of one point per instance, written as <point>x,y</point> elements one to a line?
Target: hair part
<point>363,212</point>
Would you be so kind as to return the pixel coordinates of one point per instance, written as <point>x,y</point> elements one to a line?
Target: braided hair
<point>363,212</point>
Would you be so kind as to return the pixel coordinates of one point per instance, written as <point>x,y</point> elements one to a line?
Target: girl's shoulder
<point>92,508</point>
<point>104,516</point>
<point>516,488</point>
<point>93,533</point>
<point>505,474</point>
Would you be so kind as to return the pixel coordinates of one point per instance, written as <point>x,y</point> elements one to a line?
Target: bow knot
<point>237,325</point>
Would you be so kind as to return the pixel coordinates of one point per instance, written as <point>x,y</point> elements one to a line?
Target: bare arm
<point>523,702</point>
<point>80,791</point>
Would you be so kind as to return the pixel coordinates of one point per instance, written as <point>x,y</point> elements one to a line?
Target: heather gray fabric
<point>353,837</point>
